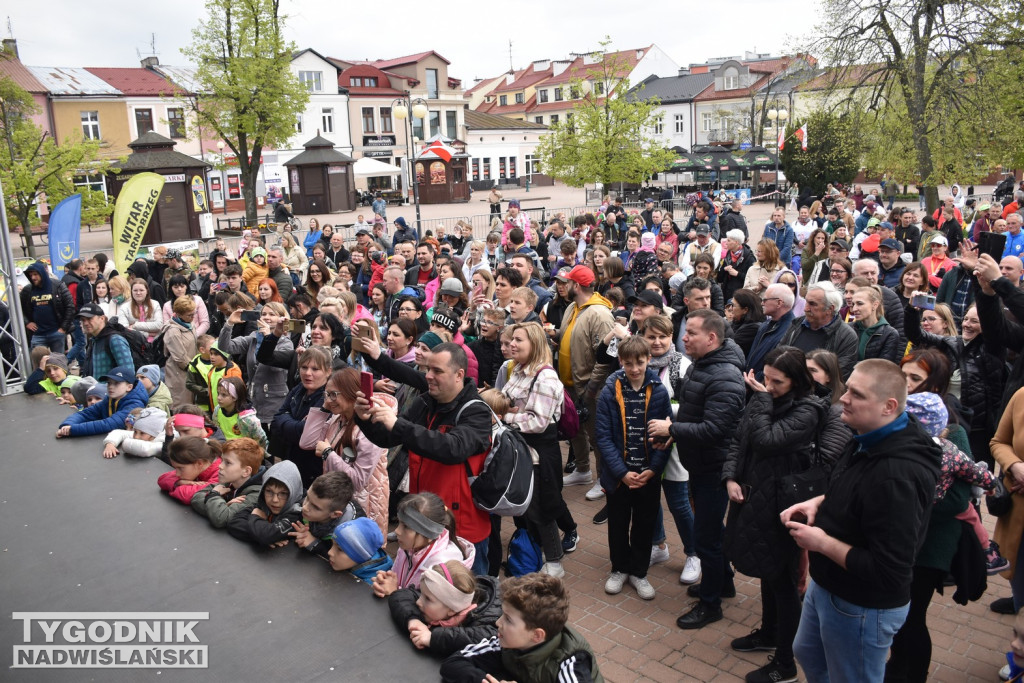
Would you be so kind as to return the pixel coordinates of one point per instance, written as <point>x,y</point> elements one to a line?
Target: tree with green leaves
<point>832,154</point>
<point>608,137</point>
<point>244,89</point>
<point>33,166</point>
<point>920,65</point>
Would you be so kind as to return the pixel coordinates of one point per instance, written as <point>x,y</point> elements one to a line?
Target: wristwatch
<point>326,453</point>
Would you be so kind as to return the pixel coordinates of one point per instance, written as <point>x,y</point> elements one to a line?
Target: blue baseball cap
<point>120,374</point>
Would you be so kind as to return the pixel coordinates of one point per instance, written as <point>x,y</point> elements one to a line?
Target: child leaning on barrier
<point>240,478</point>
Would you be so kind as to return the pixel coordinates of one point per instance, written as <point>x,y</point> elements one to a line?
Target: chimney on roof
<point>541,65</point>
<point>150,62</point>
<point>684,71</point>
<point>509,77</point>
<point>639,54</point>
<point>559,67</point>
<point>11,47</point>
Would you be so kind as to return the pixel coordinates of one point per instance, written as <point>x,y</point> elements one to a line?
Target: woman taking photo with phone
<point>332,434</point>
<point>268,381</point>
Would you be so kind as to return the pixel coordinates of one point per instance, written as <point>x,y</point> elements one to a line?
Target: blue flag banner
<point>64,232</point>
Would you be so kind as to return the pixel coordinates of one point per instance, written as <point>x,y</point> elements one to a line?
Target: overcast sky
<point>471,36</point>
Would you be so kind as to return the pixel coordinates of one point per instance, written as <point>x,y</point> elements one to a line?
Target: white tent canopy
<point>367,167</point>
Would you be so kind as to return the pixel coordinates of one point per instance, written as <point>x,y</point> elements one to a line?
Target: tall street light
<point>402,108</point>
<point>778,116</point>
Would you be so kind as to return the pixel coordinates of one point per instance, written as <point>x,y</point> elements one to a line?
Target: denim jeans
<point>677,496</point>
<point>77,351</point>
<point>840,641</point>
<point>55,341</point>
<point>480,562</point>
<point>710,501</point>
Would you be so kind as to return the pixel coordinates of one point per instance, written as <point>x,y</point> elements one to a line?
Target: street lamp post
<point>404,110</point>
<point>223,178</point>
<point>778,116</point>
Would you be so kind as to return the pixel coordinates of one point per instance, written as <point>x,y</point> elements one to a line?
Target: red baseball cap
<point>581,275</point>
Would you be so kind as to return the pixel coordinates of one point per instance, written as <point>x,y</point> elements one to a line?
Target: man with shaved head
<point>864,533</point>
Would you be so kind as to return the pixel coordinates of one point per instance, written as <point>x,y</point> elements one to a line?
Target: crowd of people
<point>812,407</point>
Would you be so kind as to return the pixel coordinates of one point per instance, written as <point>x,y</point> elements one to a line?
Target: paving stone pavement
<point>637,640</point>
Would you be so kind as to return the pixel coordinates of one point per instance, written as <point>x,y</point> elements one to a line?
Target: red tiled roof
<point>769,68</point>
<point>628,58</point>
<point>398,61</point>
<point>136,81</point>
<point>525,78</point>
<point>12,68</point>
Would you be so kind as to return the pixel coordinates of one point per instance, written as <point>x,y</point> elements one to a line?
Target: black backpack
<point>504,485</point>
<point>143,351</point>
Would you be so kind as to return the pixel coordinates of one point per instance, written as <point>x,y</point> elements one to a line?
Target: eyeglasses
<point>837,271</point>
<point>407,310</point>
<point>488,323</point>
<point>772,298</point>
<point>332,395</point>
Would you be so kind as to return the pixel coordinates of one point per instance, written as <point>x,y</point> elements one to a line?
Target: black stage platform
<point>83,534</point>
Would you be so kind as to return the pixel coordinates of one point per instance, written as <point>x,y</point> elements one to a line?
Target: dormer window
<point>730,79</point>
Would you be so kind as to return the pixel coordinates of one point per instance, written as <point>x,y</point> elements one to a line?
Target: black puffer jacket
<point>711,397</point>
<point>1002,333</point>
<point>883,343</point>
<point>479,624</point>
<point>775,438</point>
<point>982,372</point>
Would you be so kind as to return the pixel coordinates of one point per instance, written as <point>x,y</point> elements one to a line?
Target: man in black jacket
<point>732,219</point>
<point>710,403</point>
<point>48,308</point>
<point>865,532</point>
<point>445,436</point>
<point>821,327</point>
<point>81,293</point>
<point>419,275</point>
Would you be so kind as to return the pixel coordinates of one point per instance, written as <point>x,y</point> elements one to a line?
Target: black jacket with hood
<point>246,526</point>
<point>775,438</point>
<point>51,293</point>
<point>711,397</point>
<point>479,624</point>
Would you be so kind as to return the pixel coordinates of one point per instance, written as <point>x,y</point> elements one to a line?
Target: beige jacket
<point>593,323</point>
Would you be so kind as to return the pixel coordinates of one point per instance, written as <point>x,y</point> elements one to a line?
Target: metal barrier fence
<point>14,356</point>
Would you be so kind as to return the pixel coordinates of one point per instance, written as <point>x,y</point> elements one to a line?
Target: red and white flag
<point>801,135</point>
<point>782,139</point>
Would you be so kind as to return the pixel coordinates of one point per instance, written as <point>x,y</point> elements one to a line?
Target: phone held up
<point>923,301</point>
<point>993,244</point>
<point>250,316</point>
<point>366,384</point>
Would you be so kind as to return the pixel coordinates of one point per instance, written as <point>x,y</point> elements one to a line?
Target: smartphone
<point>923,301</point>
<point>250,316</point>
<point>295,325</point>
<point>993,244</point>
<point>366,384</point>
<point>219,286</point>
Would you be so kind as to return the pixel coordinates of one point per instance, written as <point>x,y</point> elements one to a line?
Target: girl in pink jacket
<point>426,536</point>
<point>196,463</point>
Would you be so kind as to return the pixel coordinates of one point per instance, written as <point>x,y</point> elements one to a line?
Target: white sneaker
<point>554,569</point>
<point>659,555</point>
<point>691,571</point>
<point>643,587</point>
<point>576,479</point>
<point>613,586</point>
<point>595,491</point>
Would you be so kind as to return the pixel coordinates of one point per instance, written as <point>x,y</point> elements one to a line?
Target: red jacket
<point>168,481</point>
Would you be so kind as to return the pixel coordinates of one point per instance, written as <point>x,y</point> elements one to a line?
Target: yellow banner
<point>135,206</point>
